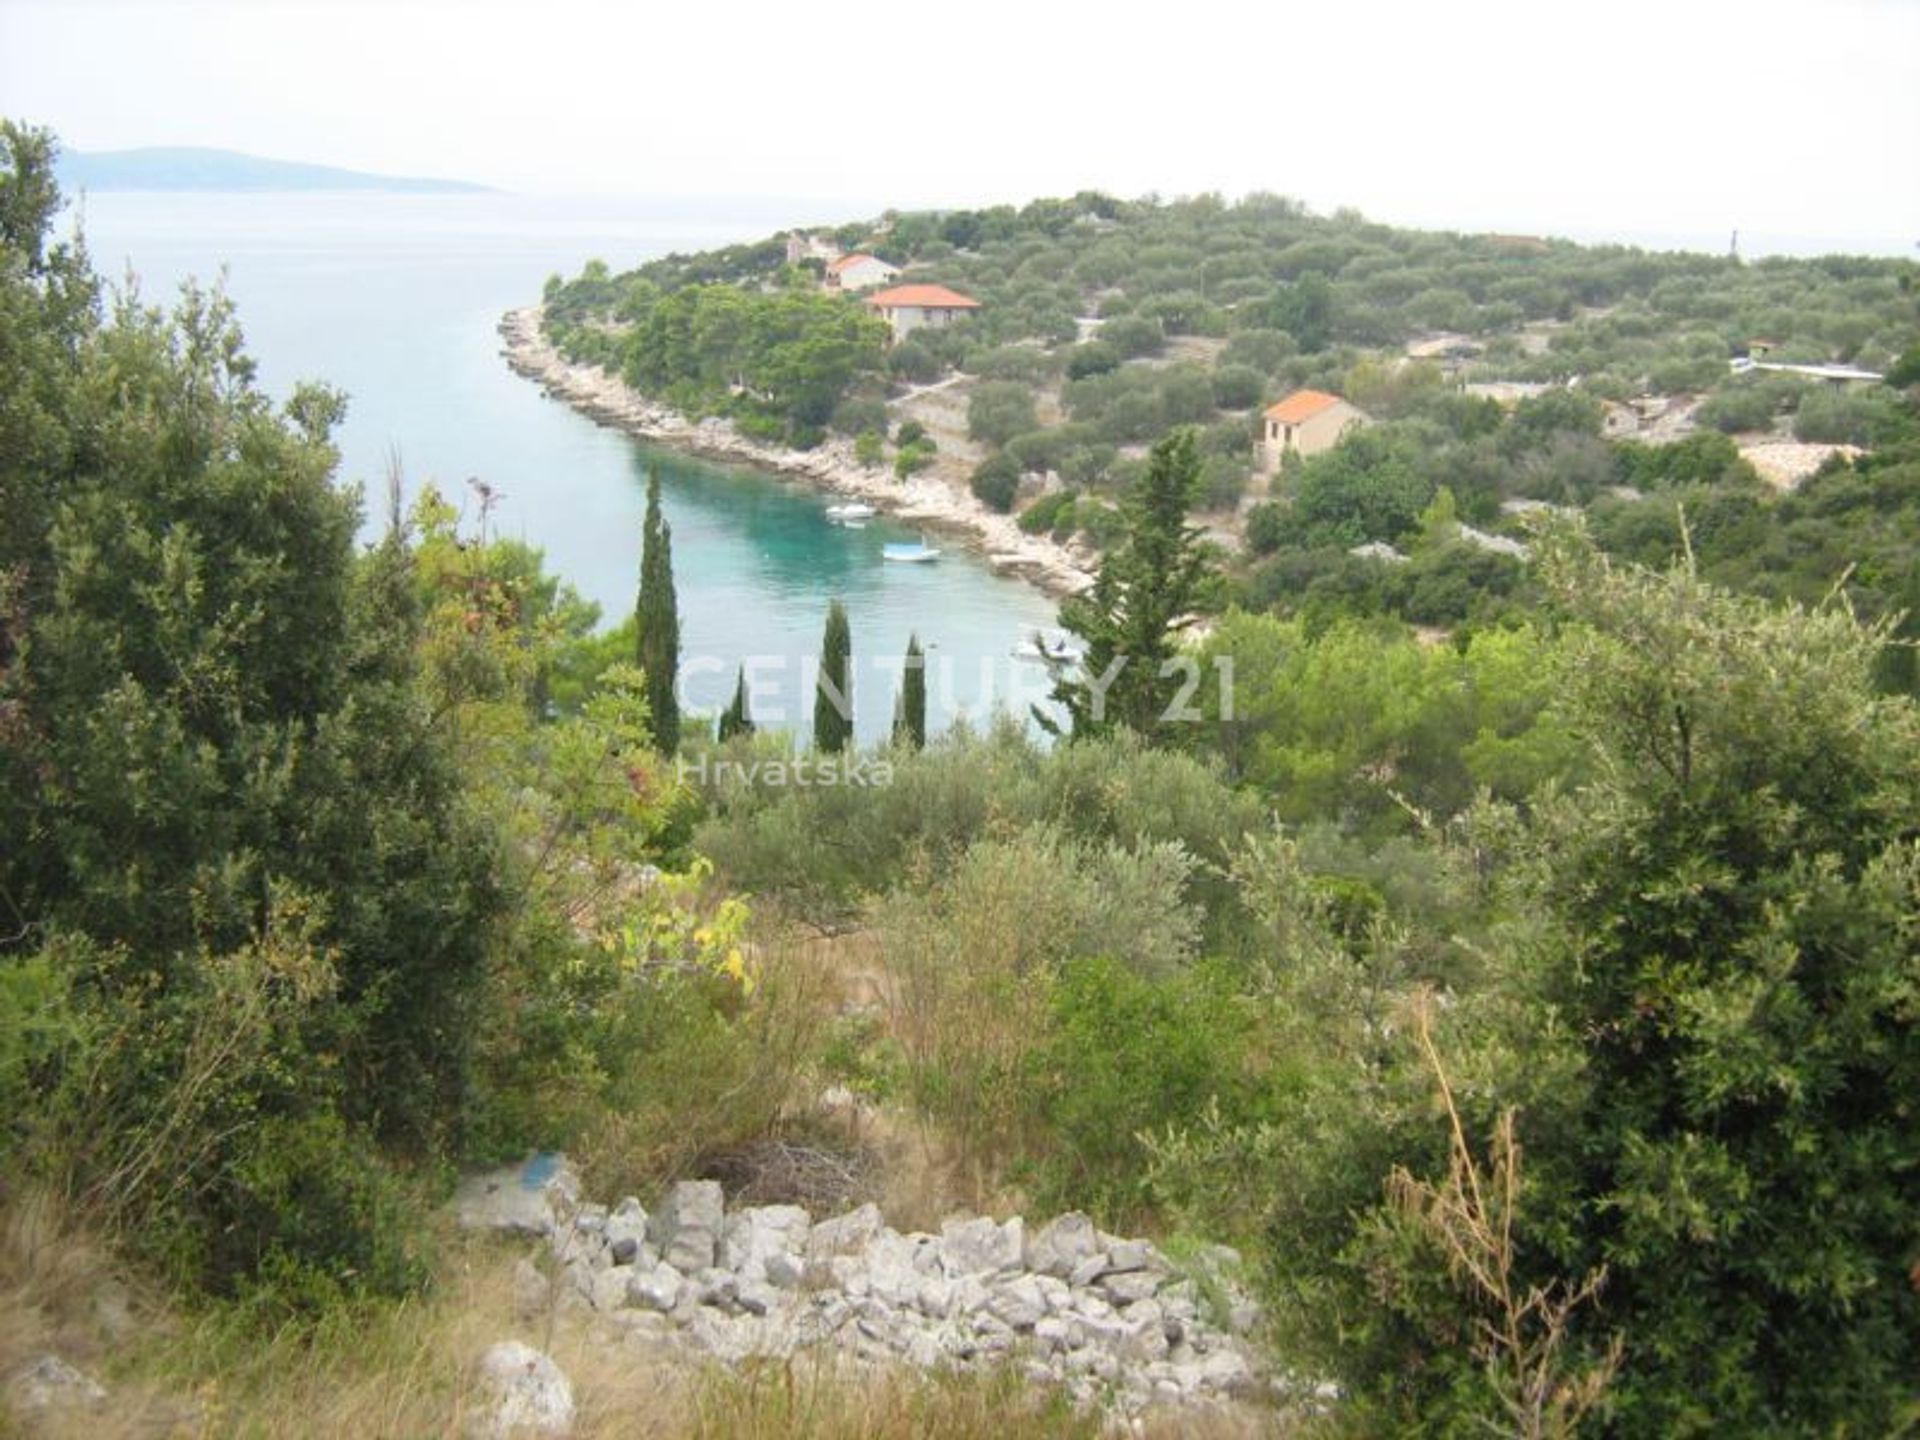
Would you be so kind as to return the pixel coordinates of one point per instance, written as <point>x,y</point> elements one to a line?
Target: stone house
<point>1307,421</point>
<point>860,272</point>
<point>908,308</point>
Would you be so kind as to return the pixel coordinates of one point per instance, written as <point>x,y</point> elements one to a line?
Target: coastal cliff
<point>934,503</point>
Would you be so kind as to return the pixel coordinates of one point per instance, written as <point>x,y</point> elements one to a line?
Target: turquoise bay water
<point>394,299</point>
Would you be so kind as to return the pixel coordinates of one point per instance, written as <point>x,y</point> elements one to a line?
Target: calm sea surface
<point>394,299</point>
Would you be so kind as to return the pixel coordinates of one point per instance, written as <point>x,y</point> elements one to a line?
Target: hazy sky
<point>1791,117</point>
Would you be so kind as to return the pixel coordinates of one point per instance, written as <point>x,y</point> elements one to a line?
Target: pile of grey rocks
<point>1112,1320</point>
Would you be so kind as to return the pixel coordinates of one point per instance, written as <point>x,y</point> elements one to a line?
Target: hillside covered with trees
<point>1504,374</point>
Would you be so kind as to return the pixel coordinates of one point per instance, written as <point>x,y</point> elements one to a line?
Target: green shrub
<point>1124,1057</point>
<point>1104,525</point>
<point>1692,1012</point>
<point>1262,351</point>
<point>914,361</point>
<point>1739,407</point>
<point>998,410</point>
<point>311,1216</point>
<point>1095,357</point>
<point>1026,363</point>
<point>1854,416</point>
<point>692,1069</point>
<point>910,459</point>
<point>973,956</point>
<point>1237,387</point>
<point>995,481</point>
<point>1268,527</point>
<point>1133,335</point>
<point>42,1032</point>
<point>1046,513</point>
<point>1222,480</point>
<point>858,416</point>
<point>767,429</point>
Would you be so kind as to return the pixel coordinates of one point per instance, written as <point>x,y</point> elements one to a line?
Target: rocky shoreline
<point>923,500</point>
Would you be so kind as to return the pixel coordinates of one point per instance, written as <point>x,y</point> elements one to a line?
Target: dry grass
<point>715,1088</point>
<point>406,1370</point>
<point>1522,1334</point>
<point>921,1172</point>
<point>61,1293</point>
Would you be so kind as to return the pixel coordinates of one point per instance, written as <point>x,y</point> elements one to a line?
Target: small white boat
<point>1054,649</point>
<point>916,553</point>
<point>852,510</point>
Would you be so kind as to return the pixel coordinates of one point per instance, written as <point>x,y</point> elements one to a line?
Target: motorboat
<point>851,510</point>
<point>916,552</point>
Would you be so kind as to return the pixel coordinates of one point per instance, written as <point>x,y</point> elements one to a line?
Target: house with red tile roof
<point>908,308</point>
<point>1307,421</point>
<point>860,272</point>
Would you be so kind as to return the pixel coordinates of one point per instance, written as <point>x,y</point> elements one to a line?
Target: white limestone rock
<point>1057,1247</point>
<point>847,1234</point>
<point>519,1199</point>
<point>656,1289</point>
<point>1129,1286</point>
<point>1128,1255</point>
<point>981,1247</point>
<point>48,1384</point>
<point>626,1231</point>
<point>755,1236</point>
<point>757,1297</point>
<point>610,1289</point>
<point>688,1226</point>
<point>716,1287</point>
<point>1088,1270</point>
<point>1020,1303</point>
<point>522,1393</point>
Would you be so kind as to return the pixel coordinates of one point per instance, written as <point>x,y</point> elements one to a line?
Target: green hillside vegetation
<point>1536,1012</point>
<point>1105,324</point>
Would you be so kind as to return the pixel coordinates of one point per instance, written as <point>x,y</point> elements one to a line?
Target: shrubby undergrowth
<point>305,897</point>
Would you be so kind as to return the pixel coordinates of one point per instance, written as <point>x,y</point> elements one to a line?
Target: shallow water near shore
<point>395,299</point>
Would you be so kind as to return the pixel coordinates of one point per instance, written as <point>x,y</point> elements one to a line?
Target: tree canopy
<point>1147,591</point>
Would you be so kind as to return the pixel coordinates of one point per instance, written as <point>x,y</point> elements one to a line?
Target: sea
<point>395,299</point>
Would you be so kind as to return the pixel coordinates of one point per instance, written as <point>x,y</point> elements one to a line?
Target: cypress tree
<point>737,718</point>
<point>1145,594</point>
<point>833,692</point>
<point>910,712</point>
<point>658,619</point>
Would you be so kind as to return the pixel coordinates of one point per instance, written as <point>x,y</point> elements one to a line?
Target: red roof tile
<point>1301,406</point>
<point>848,261</point>
<point>928,297</point>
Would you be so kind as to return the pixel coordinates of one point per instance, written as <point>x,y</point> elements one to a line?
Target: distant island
<point>183,167</point>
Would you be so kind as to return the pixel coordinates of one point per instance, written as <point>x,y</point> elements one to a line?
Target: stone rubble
<point>1111,1319</point>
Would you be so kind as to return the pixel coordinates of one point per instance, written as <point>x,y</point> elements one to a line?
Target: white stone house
<point>1308,421</point>
<point>860,272</point>
<point>908,308</point>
